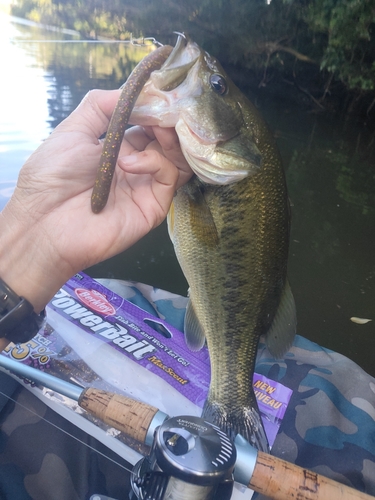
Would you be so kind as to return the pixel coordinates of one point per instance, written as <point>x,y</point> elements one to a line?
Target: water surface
<point>328,160</point>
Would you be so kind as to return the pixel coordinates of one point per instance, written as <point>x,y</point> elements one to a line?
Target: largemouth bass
<point>230,228</point>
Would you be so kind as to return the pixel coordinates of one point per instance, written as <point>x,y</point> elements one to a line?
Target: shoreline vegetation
<point>321,52</point>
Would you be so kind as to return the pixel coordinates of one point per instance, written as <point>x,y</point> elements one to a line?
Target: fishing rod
<point>147,41</point>
<point>190,457</point>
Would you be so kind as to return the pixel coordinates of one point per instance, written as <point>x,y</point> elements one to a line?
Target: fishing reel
<point>189,458</point>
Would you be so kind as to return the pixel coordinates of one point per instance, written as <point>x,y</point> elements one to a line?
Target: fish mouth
<point>176,68</point>
<point>158,102</point>
<point>176,82</point>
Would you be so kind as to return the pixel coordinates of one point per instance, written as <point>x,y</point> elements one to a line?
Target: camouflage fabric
<point>329,426</point>
<point>40,459</point>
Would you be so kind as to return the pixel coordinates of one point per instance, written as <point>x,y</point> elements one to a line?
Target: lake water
<point>330,172</point>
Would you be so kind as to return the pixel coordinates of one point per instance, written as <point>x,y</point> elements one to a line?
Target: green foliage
<point>89,17</point>
<point>284,35</point>
<point>349,27</point>
<point>311,42</point>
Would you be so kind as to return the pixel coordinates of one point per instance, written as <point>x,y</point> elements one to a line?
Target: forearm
<point>25,261</point>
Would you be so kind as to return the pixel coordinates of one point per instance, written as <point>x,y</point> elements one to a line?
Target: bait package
<point>95,337</point>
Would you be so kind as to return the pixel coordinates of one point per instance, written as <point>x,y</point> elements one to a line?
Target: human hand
<point>48,222</point>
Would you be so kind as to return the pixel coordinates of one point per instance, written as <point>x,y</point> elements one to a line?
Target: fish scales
<point>245,278</point>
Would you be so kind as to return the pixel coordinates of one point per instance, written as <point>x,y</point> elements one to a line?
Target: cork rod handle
<point>124,414</point>
<point>281,480</point>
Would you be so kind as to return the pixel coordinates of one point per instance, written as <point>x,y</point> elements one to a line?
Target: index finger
<point>170,145</point>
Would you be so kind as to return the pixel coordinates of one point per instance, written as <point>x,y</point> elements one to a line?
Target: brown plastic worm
<point>119,120</point>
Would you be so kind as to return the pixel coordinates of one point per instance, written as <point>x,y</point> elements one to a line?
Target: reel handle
<point>281,480</point>
<point>135,419</point>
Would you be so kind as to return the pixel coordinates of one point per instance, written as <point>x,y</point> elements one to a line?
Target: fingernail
<point>129,160</point>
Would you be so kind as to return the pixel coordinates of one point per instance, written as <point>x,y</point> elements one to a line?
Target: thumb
<point>93,113</point>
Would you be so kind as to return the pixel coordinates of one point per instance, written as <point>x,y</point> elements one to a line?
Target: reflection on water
<point>24,87</point>
<point>329,163</point>
<point>45,82</point>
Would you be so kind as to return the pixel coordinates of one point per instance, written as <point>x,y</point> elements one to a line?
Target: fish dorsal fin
<point>281,334</point>
<point>201,220</point>
<point>194,335</point>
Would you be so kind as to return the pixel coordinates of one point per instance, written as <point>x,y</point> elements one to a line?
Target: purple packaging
<point>125,327</point>
<point>273,399</point>
<point>106,318</point>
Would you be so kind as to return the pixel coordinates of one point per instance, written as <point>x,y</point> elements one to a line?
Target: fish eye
<point>218,84</point>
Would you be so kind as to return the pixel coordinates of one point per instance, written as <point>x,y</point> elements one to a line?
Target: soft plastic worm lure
<point>130,91</point>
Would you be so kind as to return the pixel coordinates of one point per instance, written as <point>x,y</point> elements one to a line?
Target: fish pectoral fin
<point>239,154</point>
<point>194,335</point>
<point>170,221</point>
<point>281,334</point>
<point>201,220</point>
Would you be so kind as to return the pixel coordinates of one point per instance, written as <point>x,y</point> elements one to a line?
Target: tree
<point>320,46</point>
<point>348,29</point>
<point>90,17</point>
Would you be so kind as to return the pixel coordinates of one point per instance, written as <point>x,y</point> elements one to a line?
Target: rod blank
<point>68,389</point>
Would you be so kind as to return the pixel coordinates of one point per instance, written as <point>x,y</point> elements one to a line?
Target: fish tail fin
<point>244,421</point>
